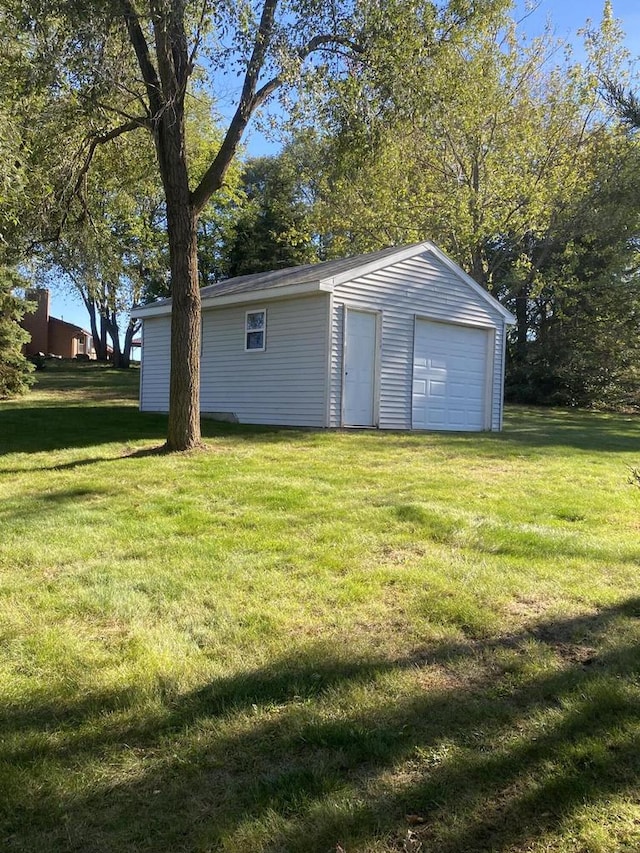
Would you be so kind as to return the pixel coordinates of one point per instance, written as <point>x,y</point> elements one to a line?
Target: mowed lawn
<point>315,641</point>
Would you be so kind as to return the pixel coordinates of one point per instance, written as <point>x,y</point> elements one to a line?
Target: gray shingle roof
<point>288,276</point>
<point>310,277</point>
<point>294,275</point>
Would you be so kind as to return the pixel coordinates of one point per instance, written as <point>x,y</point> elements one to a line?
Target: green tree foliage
<point>625,102</point>
<point>15,370</point>
<point>118,66</point>
<point>22,179</point>
<point>273,228</point>
<point>23,173</point>
<point>581,305</point>
<point>112,249</point>
<point>113,245</point>
<point>515,167</point>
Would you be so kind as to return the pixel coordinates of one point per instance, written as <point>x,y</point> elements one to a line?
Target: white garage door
<point>449,376</point>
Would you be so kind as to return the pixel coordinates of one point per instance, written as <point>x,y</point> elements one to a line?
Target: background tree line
<point>423,121</point>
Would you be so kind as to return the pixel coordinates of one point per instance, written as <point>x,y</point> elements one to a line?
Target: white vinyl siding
<point>421,286</point>
<point>284,385</point>
<point>156,362</point>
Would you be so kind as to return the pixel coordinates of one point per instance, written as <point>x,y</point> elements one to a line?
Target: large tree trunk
<point>125,355</point>
<point>166,97</point>
<point>111,325</point>
<point>166,87</point>
<point>104,344</point>
<point>184,393</point>
<point>101,353</point>
<point>99,336</point>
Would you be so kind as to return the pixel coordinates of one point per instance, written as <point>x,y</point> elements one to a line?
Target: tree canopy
<point>513,162</point>
<point>273,227</point>
<point>408,121</point>
<point>123,65</point>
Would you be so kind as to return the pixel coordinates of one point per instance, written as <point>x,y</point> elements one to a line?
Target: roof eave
<point>276,292</point>
<point>142,312</point>
<point>215,301</point>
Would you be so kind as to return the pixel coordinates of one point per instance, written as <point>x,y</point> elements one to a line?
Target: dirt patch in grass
<point>401,554</point>
<point>528,608</point>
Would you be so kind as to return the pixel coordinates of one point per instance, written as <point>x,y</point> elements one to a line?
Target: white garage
<point>398,339</point>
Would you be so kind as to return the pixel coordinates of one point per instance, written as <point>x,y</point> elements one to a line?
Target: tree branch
<point>197,40</point>
<point>98,139</point>
<point>141,49</point>
<point>142,120</point>
<point>214,176</point>
<point>626,104</point>
<point>252,98</point>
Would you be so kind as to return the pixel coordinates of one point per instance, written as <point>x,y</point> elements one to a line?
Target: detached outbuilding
<point>398,339</point>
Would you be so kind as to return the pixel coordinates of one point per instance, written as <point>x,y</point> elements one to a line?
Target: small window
<point>255,330</point>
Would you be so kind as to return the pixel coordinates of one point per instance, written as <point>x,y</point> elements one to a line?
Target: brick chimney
<point>37,324</point>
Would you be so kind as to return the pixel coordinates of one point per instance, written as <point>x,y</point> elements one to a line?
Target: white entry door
<point>450,381</point>
<point>359,369</point>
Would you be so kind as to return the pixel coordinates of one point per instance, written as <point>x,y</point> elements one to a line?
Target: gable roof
<point>310,278</point>
<point>71,328</point>
<point>292,275</point>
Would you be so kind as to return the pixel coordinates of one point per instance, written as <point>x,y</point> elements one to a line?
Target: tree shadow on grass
<point>37,428</point>
<point>34,430</point>
<point>319,749</point>
<point>538,427</point>
<point>49,428</point>
<point>39,506</point>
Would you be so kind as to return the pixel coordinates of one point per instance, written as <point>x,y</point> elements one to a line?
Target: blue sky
<point>566,17</point>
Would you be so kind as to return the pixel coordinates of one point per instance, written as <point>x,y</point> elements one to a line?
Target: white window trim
<point>262,311</point>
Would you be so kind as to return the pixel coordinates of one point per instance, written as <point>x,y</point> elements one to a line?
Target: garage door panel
<point>458,391</point>
<point>438,416</point>
<point>437,364</point>
<point>449,372</point>
<point>457,418</point>
<point>458,363</point>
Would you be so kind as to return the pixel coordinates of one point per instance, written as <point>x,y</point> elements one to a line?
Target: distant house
<point>52,336</point>
<point>398,339</point>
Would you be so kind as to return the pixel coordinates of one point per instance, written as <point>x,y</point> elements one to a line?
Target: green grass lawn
<point>315,641</point>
